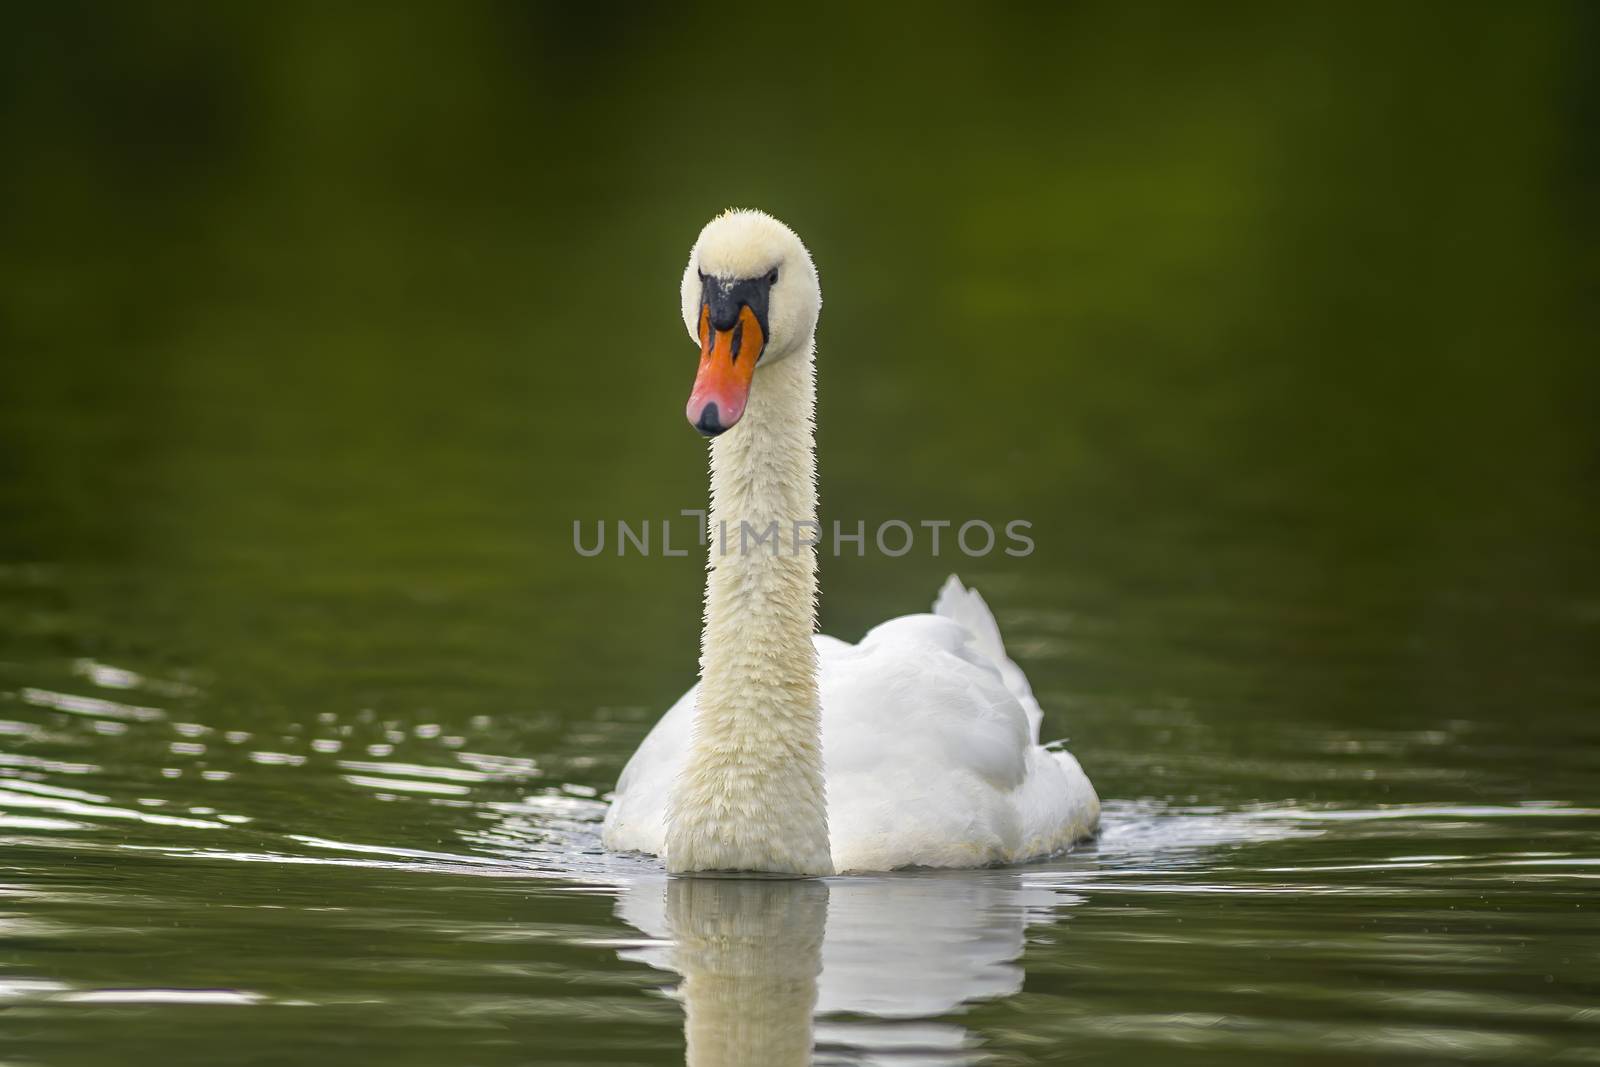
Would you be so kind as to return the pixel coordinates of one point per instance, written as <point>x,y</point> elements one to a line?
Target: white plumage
<point>931,752</point>
<point>800,753</point>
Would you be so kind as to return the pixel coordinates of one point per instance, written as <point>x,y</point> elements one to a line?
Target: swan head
<point>750,299</point>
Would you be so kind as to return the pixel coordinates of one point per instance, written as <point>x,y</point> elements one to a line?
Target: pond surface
<point>320,330</point>
<point>426,888</point>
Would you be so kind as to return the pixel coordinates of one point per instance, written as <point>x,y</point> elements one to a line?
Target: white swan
<point>798,753</point>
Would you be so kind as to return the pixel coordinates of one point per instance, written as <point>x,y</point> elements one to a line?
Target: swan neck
<point>751,794</point>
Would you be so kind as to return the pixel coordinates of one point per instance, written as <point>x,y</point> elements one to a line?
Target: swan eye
<point>772,276</point>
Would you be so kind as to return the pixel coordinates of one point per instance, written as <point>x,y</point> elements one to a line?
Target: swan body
<point>798,753</point>
<point>931,752</point>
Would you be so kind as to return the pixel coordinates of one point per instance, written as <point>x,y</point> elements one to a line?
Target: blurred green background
<point>327,312</point>
<point>320,324</point>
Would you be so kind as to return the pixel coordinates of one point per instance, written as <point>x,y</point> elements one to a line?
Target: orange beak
<point>727,364</point>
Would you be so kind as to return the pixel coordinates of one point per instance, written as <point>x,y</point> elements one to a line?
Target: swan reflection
<point>871,959</point>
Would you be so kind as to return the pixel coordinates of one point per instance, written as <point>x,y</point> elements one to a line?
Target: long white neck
<point>750,796</point>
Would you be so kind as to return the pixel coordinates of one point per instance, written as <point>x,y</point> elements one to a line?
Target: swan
<point>797,753</point>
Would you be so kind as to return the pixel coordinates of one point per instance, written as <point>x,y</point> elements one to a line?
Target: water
<point>386,889</point>
<point>320,328</point>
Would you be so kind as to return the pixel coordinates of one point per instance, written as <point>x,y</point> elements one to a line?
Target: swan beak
<point>727,363</point>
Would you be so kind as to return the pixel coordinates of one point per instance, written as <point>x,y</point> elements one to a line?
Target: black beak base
<point>726,296</point>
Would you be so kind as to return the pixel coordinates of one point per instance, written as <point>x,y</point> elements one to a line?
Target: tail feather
<point>967,607</point>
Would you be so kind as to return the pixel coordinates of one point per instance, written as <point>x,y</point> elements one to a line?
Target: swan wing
<point>930,740</point>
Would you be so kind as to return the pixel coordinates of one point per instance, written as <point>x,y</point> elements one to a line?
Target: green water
<point>320,327</point>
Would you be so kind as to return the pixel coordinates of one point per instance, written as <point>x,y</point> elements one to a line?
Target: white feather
<point>930,758</point>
